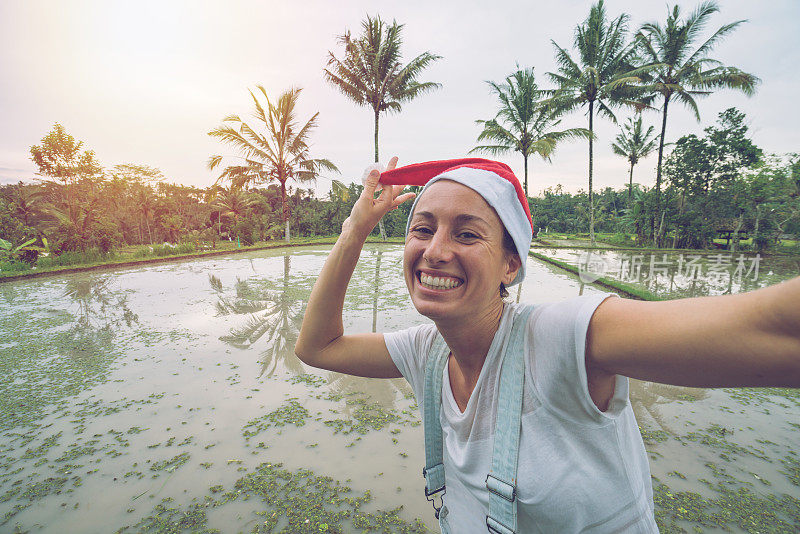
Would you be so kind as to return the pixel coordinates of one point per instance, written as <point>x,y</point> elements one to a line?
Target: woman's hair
<point>509,248</point>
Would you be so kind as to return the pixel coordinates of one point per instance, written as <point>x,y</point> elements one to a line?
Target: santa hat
<point>492,180</point>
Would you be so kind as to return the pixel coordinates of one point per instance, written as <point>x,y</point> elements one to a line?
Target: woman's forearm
<point>322,323</point>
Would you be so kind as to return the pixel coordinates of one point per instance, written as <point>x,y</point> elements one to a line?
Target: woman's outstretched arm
<point>322,342</point>
<point>749,339</point>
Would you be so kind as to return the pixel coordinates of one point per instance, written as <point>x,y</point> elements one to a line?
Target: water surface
<point>167,396</point>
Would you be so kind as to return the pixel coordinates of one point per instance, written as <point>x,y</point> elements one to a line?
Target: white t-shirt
<point>580,469</point>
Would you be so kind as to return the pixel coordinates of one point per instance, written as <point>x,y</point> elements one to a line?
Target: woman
<point>577,462</point>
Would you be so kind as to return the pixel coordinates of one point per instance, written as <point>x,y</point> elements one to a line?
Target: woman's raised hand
<point>368,210</point>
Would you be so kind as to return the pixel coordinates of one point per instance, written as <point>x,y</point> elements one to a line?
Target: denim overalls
<point>501,480</point>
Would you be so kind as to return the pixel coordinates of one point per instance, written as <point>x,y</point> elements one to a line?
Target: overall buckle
<point>432,499</point>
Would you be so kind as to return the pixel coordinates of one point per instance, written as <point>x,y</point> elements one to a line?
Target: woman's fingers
<point>372,183</point>
<point>402,198</point>
<point>388,198</point>
<point>374,178</point>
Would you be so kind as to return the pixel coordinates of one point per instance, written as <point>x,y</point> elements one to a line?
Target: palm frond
<point>276,150</point>
<point>371,72</point>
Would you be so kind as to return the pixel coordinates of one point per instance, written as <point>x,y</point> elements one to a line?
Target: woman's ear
<point>514,265</point>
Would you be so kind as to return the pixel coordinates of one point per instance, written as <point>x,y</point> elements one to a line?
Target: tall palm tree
<point>371,72</point>
<point>677,72</point>
<point>523,124</point>
<point>280,153</point>
<point>602,75</point>
<point>632,144</point>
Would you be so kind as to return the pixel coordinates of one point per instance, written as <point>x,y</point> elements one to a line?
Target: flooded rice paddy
<point>167,398</point>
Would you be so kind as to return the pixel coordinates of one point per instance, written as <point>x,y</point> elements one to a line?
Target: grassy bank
<point>626,242</point>
<point>134,256</point>
<point>621,288</point>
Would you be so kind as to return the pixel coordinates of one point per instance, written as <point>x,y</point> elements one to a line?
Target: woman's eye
<point>468,235</point>
<point>422,230</point>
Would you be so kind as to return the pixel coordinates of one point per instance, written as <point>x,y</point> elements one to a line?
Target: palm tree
<point>523,123</point>
<point>145,199</point>
<point>371,72</point>
<point>209,196</point>
<point>280,153</point>
<point>677,72</point>
<point>234,203</point>
<point>338,195</point>
<point>632,144</point>
<point>26,202</point>
<point>602,76</point>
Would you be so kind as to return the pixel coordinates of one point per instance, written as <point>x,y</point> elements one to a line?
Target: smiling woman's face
<point>454,260</point>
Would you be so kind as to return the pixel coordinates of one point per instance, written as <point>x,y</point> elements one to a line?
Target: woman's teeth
<point>436,282</point>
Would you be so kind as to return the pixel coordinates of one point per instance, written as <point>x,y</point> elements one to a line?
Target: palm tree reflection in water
<point>648,397</point>
<point>375,292</point>
<point>273,314</point>
<point>102,312</point>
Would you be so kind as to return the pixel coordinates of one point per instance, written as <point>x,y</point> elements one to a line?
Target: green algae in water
<point>714,436</point>
<point>739,507</point>
<point>291,413</point>
<point>287,501</point>
<point>653,436</point>
<point>366,417</point>
<point>172,464</point>
<point>307,379</point>
<point>792,466</point>
<point>759,396</point>
<point>57,355</point>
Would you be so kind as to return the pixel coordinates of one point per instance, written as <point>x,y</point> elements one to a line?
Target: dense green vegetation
<point>718,186</point>
<point>79,214</point>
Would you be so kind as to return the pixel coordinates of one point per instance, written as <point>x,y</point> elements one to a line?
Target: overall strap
<point>502,479</point>
<point>431,406</point>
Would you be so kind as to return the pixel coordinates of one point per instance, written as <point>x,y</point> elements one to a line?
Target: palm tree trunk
<point>657,238</point>
<point>147,220</point>
<point>591,197</point>
<point>376,135</point>
<point>630,184</point>
<point>680,212</point>
<point>285,208</point>
<point>525,158</point>
<point>381,228</point>
<point>755,230</point>
<point>739,224</point>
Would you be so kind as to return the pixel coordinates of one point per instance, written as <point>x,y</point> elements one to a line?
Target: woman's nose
<point>439,248</point>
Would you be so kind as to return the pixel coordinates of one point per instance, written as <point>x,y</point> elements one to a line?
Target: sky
<point>144,82</point>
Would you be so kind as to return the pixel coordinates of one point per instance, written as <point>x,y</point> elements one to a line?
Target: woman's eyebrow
<point>466,218</point>
<point>460,219</point>
<point>424,215</point>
